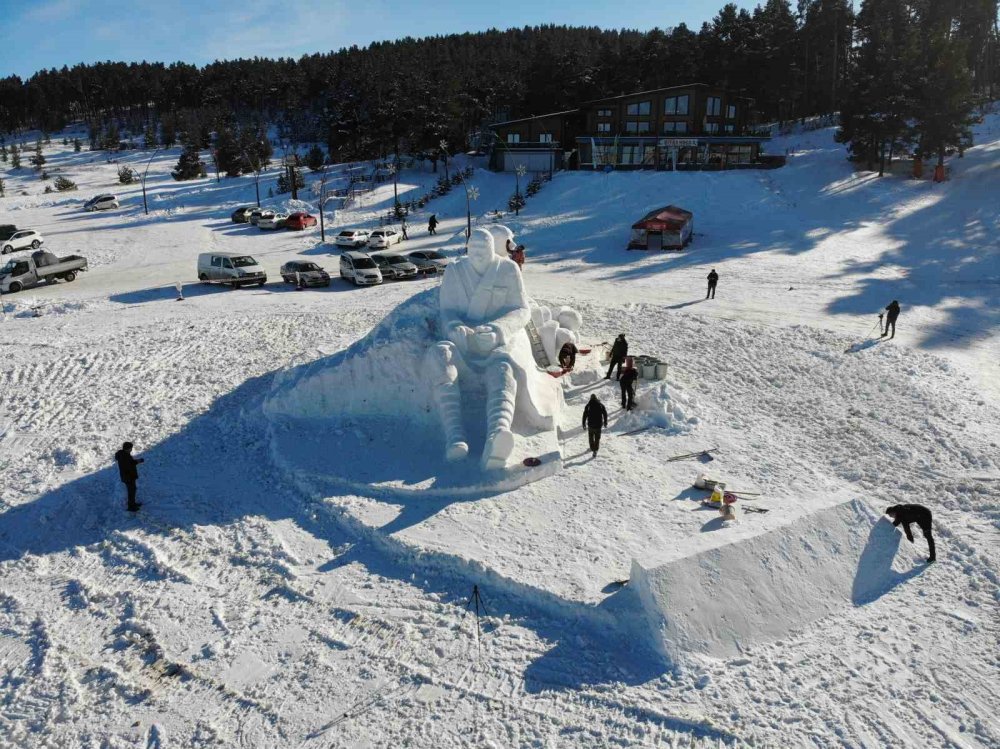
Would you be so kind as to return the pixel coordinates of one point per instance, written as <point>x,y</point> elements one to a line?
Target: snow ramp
<point>758,588</point>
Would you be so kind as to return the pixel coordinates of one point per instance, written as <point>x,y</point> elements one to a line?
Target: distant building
<point>680,127</point>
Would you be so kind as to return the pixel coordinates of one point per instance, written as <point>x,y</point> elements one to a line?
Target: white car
<point>230,268</point>
<point>22,240</point>
<point>359,268</point>
<point>384,238</point>
<point>352,238</point>
<point>271,220</point>
<point>102,202</point>
<point>429,261</point>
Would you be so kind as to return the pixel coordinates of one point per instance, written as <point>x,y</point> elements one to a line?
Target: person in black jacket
<point>892,310</point>
<point>629,376</point>
<point>129,473</point>
<point>918,514</point>
<point>713,280</point>
<point>619,350</point>
<point>432,223</point>
<point>567,355</point>
<point>595,417</point>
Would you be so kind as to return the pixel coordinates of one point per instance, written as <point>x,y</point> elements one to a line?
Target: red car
<point>300,221</point>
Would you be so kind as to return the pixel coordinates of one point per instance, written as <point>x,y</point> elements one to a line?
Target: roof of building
<point>668,217</point>
<point>533,117</point>
<point>643,93</point>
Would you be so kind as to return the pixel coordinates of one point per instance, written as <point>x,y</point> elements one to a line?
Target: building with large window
<point>679,127</point>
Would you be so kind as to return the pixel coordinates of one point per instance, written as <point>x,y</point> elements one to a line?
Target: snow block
<point>759,588</point>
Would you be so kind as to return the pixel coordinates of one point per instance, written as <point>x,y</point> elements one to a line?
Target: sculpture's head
<point>481,249</point>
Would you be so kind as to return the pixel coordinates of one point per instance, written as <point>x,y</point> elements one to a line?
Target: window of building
<point>603,112</point>
<point>711,127</point>
<point>731,111</point>
<point>636,127</point>
<point>604,127</point>
<point>714,107</point>
<point>513,137</point>
<point>639,108</point>
<point>675,105</point>
<point>545,137</point>
<point>730,128</point>
<point>675,127</point>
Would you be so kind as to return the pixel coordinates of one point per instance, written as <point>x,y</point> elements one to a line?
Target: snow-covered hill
<point>245,606</point>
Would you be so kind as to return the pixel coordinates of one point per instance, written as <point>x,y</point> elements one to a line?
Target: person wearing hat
<point>627,382</point>
<point>892,309</point>
<point>713,281</point>
<point>595,418</point>
<point>619,350</point>
<point>129,473</point>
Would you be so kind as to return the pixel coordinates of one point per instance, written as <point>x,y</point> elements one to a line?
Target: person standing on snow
<point>918,514</point>
<point>595,418</point>
<point>432,223</point>
<point>713,280</point>
<point>890,319</point>
<point>619,350</point>
<point>627,381</point>
<point>129,473</point>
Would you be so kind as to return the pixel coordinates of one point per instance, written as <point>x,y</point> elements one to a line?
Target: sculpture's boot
<point>501,396</point>
<point>449,402</point>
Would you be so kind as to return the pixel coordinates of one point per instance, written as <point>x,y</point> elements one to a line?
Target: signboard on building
<point>678,142</point>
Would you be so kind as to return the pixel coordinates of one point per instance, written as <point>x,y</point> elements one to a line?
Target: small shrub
<point>516,202</point>
<point>64,185</point>
<point>127,175</point>
<point>48,189</point>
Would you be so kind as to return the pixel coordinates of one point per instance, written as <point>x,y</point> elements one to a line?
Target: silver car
<point>394,266</point>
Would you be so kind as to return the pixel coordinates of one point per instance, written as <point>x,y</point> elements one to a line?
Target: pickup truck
<point>41,266</point>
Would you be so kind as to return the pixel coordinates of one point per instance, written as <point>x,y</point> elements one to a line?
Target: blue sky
<point>52,33</point>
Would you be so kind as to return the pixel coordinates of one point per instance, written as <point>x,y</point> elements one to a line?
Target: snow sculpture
<point>483,313</point>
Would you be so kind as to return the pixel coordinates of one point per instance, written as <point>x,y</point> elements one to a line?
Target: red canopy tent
<point>668,228</point>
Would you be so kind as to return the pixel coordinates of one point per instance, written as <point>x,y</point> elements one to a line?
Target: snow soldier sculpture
<point>484,311</point>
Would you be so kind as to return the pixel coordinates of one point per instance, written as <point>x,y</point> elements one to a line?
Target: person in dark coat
<point>432,223</point>
<point>595,418</point>
<point>892,312</point>
<point>907,514</point>
<point>619,350</point>
<point>628,378</point>
<point>713,280</point>
<point>129,473</point>
<point>567,355</point>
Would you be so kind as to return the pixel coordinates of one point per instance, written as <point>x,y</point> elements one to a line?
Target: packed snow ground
<point>240,610</point>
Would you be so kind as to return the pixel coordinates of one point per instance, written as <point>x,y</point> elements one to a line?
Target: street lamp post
<point>145,207</point>
<point>471,193</point>
<point>519,171</point>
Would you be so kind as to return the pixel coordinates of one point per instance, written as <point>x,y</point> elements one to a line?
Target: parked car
<point>352,238</point>
<point>7,231</point>
<point>22,240</point>
<point>359,268</point>
<point>398,266</point>
<point>101,202</point>
<point>300,221</point>
<point>40,267</point>
<point>256,213</point>
<point>308,273</point>
<point>272,221</point>
<point>384,238</point>
<point>230,268</point>
<point>242,215</point>
<point>428,261</point>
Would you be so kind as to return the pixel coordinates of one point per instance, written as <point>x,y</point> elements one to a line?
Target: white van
<point>232,268</point>
<point>101,203</point>
<point>359,268</point>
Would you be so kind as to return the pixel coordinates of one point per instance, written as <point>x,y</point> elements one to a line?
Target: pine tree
<point>3,154</point>
<point>315,158</point>
<point>77,145</point>
<point>189,165</point>
<point>149,137</point>
<point>127,175</point>
<point>285,184</point>
<point>228,155</point>
<point>15,157</point>
<point>2,186</point>
<point>64,185</point>
<point>38,159</point>
<point>168,131</point>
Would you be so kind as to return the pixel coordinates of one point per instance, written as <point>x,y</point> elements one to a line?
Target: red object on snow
<point>584,351</point>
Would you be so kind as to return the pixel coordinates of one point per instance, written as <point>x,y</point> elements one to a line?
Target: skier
<point>628,378</point>
<point>567,355</point>
<point>890,319</point>
<point>918,514</point>
<point>129,473</point>
<point>595,417</point>
<point>619,350</point>
<point>713,280</point>
<point>432,223</point>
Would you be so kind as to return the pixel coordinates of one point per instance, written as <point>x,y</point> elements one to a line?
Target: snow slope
<point>240,610</point>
